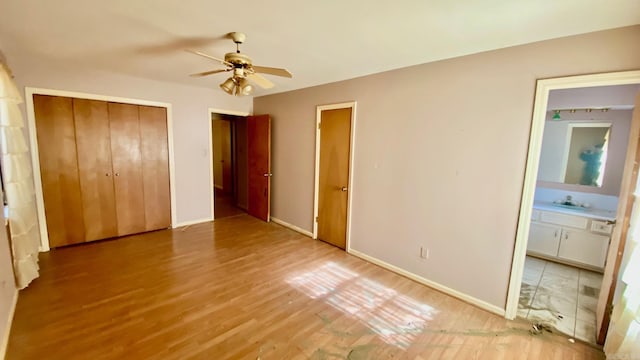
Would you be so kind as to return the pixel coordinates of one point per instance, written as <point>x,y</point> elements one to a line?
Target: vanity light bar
<point>603,109</point>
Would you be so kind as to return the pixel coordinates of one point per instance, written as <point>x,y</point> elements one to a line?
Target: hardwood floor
<point>243,289</point>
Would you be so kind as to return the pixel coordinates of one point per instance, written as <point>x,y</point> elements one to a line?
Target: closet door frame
<point>35,159</point>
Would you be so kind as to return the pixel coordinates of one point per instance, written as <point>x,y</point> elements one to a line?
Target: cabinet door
<point>155,167</point>
<point>127,168</point>
<point>584,247</point>
<point>94,164</point>
<point>59,169</point>
<point>544,239</point>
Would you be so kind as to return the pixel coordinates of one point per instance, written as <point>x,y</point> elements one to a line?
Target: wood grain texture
<point>127,168</point>
<point>241,288</point>
<point>259,164</point>
<point>335,139</point>
<point>93,142</point>
<point>59,169</point>
<point>227,175</point>
<point>155,167</point>
<point>614,259</point>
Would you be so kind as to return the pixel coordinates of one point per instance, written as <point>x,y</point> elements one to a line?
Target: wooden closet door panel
<point>127,167</point>
<point>94,163</point>
<point>155,167</point>
<point>59,169</point>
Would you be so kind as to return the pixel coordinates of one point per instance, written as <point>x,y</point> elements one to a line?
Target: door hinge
<point>316,219</point>
<point>319,125</point>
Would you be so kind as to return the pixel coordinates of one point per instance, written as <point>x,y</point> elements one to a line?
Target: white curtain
<point>18,183</point>
<point>623,338</point>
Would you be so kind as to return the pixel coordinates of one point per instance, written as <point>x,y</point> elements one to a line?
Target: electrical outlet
<point>424,252</point>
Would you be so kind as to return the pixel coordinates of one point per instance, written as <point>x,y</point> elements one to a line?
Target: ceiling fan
<point>242,68</point>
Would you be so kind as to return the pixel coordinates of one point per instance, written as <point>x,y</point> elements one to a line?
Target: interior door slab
<point>259,166</point>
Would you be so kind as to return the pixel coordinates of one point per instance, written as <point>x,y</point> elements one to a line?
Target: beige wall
<point>7,284</point>
<point>440,154</point>
<point>190,117</point>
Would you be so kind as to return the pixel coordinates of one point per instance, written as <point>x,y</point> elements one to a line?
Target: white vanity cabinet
<point>583,247</point>
<point>544,239</point>
<point>571,239</point>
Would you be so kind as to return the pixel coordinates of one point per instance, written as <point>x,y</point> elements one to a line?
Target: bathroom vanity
<point>578,237</point>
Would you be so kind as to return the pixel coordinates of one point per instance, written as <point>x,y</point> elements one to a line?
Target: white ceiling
<point>318,41</point>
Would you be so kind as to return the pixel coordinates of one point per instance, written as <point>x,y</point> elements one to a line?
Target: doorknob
<point>343,189</point>
<point>267,174</point>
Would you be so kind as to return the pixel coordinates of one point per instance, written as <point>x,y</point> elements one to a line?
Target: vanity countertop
<point>598,214</point>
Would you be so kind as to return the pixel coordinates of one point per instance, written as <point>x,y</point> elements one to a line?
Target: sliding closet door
<point>155,167</point>
<point>94,163</point>
<point>127,168</point>
<point>59,169</point>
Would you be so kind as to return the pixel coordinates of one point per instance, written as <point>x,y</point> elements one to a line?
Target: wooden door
<point>227,176</point>
<point>333,178</point>
<point>127,168</point>
<point>621,230</point>
<point>259,166</point>
<point>216,138</point>
<point>93,143</point>
<point>59,169</point>
<point>155,167</point>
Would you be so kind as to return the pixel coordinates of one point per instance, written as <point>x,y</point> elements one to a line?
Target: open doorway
<point>229,163</point>
<point>568,242</point>
<point>584,146</point>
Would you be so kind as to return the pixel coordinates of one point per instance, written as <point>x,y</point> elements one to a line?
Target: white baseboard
<point>456,294</point>
<point>7,330</point>
<point>193,222</point>
<point>292,227</point>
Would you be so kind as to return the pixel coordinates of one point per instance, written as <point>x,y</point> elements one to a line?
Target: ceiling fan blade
<point>209,72</point>
<point>272,71</point>
<point>260,80</point>
<point>210,57</point>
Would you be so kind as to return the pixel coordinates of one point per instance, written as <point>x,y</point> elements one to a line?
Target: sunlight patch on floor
<point>396,318</point>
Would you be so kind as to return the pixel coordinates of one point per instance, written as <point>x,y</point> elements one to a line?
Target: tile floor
<point>561,296</point>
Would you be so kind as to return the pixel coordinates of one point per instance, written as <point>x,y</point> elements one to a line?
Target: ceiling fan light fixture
<point>245,87</point>
<point>242,67</point>
<point>228,86</point>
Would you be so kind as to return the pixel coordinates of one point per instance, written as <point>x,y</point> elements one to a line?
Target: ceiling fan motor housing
<point>237,59</point>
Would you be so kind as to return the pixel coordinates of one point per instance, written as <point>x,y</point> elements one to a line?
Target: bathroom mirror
<point>574,152</point>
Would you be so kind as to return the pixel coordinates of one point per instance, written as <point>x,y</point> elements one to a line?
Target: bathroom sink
<point>573,207</point>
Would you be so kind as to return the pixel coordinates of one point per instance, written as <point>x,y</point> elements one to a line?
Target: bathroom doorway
<point>229,164</point>
<point>567,247</point>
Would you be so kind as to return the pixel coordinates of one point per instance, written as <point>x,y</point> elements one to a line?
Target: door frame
<point>543,88</point>
<point>352,140</point>
<point>211,179</point>
<point>35,156</point>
